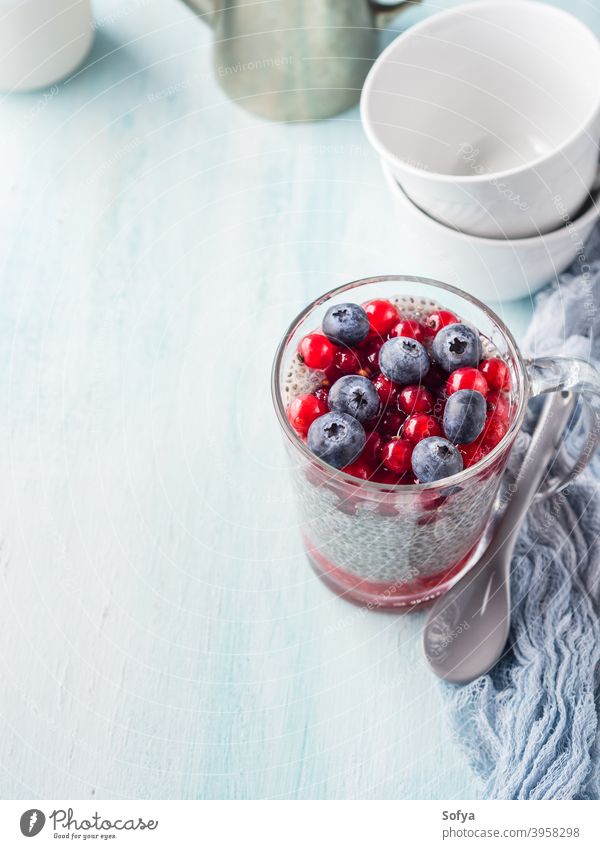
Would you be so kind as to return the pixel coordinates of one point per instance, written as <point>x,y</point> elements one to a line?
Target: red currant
<point>498,403</point>
<point>440,318</point>
<point>316,351</point>
<point>396,455</point>
<point>472,453</point>
<point>372,450</point>
<point>419,426</point>
<point>359,469</point>
<point>410,328</point>
<point>415,399</point>
<point>370,354</point>
<point>322,395</point>
<point>385,476</point>
<point>439,406</point>
<point>386,390</point>
<point>495,372</point>
<point>466,378</point>
<point>435,378</point>
<point>390,424</point>
<point>303,411</point>
<point>344,362</point>
<point>494,431</point>
<point>382,316</point>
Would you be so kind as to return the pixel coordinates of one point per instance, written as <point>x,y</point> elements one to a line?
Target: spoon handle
<point>468,626</point>
<point>545,440</point>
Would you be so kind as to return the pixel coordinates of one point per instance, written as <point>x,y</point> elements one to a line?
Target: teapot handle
<point>205,9</point>
<point>385,12</point>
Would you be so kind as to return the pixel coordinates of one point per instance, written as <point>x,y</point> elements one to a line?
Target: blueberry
<point>457,346</point>
<point>464,416</point>
<point>403,360</point>
<point>435,458</point>
<point>336,438</point>
<point>346,324</point>
<point>354,395</point>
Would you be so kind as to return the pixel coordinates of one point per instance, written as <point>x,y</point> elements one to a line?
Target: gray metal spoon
<point>467,628</point>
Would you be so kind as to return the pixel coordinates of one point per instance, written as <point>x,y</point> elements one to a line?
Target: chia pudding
<point>381,533</point>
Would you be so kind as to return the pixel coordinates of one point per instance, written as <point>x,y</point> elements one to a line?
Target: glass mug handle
<point>569,374</point>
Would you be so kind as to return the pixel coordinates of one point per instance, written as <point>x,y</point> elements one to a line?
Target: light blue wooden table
<point>161,633</point>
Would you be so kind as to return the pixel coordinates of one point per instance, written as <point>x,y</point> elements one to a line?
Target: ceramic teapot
<point>294,60</point>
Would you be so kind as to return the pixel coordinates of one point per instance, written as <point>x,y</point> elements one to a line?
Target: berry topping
<point>385,389</point>
<point>382,316</point>
<point>457,346</point>
<point>472,453</point>
<point>372,450</point>
<point>464,416</point>
<point>410,328</point>
<point>344,362</point>
<point>336,438</point>
<point>385,476</point>
<point>499,404</point>
<point>495,371</point>
<point>494,431</point>
<point>303,411</point>
<point>370,354</point>
<point>439,406</point>
<point>316,351</point>
<point>390,423</point>
<point>419,426</point>
<point>435,458</point>
<point>415,399</point>
<point>435,378</point>
<point>359,469</point>
<point>438,319</point>
<point>354,395</point>
<point>396,455</point>
<point>346,324</point>
<point>466,378</point>
<point>431,404</point>
<point>404,360</point>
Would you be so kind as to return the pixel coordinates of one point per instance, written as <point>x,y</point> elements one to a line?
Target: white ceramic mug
<point>42,41</point>
<point>487,112</point>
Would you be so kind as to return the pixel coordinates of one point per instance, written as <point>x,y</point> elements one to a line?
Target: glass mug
<point>398,546</point>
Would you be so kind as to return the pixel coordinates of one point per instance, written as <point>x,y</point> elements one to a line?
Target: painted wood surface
<point>161,633</point>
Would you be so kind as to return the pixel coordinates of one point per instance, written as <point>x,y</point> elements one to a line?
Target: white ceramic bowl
<point>486,112</point>
<point>490,269</point>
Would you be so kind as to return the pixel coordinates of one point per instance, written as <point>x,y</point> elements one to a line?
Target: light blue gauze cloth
<point>530,728</point>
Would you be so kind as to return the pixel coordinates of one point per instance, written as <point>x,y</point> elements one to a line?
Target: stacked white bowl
<point>486,118</point>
